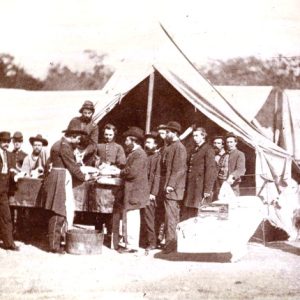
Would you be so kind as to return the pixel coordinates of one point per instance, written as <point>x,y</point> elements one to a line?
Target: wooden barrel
<point>83,241</point>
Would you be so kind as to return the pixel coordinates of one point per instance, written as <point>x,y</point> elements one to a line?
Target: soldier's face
<point>17,145</point>
<point>129,145</point>
<point>109,135</point>
<point>162,133</point>
<point>218,145</point>
<point>231,143</point>
<point>169,135</point>
<point>4,144</point>
<point>198,137</point>
<point>150,144</point>
<point>87,114</point>
<point>37,147</point>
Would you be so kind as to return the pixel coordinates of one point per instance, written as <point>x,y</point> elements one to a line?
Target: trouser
<point>55,226</point>
<point>153,217</point>
<point>70,201</point>
<point>6,227</point>
<point>172,218</point>
<point>133,222</point>
<point>104,219</point>
<point>189,212</point>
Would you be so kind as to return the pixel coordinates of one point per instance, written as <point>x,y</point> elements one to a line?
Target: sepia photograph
<point>149,150</point>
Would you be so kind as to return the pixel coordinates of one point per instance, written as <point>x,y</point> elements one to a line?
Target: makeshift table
<point>212,234</point>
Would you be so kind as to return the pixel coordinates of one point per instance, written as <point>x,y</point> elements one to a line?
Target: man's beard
<point>150,151</point>
<point>36,152</point>
<point>129,148</point>
<point>86,119</point>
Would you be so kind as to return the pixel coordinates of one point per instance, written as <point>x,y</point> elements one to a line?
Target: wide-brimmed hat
<point>173,125</point>
<point>5,136</point>
<point>18,136</point>
<point>152,134</point>
<point>75,128</point>
<point>87,105</point>
<point>38,138</point>
<point>134,131</point>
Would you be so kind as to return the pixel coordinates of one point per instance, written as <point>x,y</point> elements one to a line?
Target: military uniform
<point>57,188</point>
<point>6,226</point>
<point>201,175</point>
<point>174,170</point>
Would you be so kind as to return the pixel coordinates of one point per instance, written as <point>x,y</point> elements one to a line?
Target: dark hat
<point>218,137</point>
<point>173,125</point>
<point>230,134</point>
<point>5,136</point>
<point>18,136</point>
<point>87,105</point>
<point>38,138</point>
<point>74,127</point>
<point>135,131</point>
<point>161,126</point>
<point>152,134</point>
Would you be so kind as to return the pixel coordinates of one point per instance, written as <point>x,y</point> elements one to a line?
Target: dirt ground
<point>270,272</point>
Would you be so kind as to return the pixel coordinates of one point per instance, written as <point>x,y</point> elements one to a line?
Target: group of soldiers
<point>163,183</point>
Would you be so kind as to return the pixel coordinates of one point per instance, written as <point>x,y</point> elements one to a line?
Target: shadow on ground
<point>290,247</point>
<point>195,257</point>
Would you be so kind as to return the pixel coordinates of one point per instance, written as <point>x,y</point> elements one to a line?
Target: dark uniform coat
<point>202,173</point>
<point>135,174</point>
<point>18,158</point>
<point>154,172</point>
<point>6,227</point>
<point>61,157</point>
<point>174,169</point>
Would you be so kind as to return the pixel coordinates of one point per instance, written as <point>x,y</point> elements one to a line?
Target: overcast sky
<point>40,32</point>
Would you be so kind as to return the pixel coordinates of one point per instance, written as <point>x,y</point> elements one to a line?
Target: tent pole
<point>149,102</point>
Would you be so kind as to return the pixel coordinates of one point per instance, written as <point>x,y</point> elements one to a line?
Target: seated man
<point>34,163</point>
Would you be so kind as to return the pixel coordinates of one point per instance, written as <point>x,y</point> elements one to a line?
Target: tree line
<point>280,71</point>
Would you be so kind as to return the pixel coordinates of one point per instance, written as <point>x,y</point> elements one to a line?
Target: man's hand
<point>206,195</point>
<point>152,197</point>
<point>230,179</point>
<point>169,189</point>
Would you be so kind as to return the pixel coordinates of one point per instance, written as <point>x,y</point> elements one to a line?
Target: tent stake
<point>150,102</point>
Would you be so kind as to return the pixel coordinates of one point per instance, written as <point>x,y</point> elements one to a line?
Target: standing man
<point>202,173</point>
<point>85,122</point>
<point>18,153</point>
<point>232,164</point>
<point>6,163</point>
<point>59,198</point>
<point>174,169</point>
<point>109,152</point>
<point>34,164</point>
<point>218,145</point>
<point>136,189</point>
<point>153,213</point>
